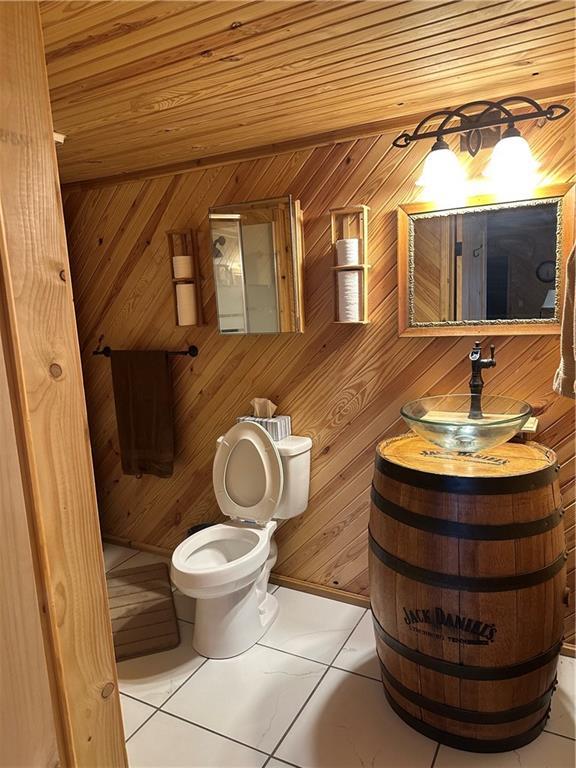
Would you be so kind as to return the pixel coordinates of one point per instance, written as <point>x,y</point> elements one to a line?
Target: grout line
<point>435,756</point>
<point>141,724</point>
<point>292,765</point>
<point>134,698</point>
<point>183,684</point>
<point>348,636</point>
<point>289,653</point>
<point>158,708</point>
<point>358,674</point>
<point>561,735</point>
<point>354,628</point>
<point>287,731</point>
<point>308,658</point>
<point>216,733</point>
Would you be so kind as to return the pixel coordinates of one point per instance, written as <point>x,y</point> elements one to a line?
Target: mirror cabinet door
<point>257,266</point>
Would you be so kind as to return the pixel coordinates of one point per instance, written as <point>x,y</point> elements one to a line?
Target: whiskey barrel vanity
<point>467,584</point>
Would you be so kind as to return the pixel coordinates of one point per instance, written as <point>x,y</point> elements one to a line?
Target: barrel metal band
<point>476,532</point>
<point>466,742</point>
<point>467,485</point>
<point>467,583</point>
<point>466,671</point>
<point>468,715</point>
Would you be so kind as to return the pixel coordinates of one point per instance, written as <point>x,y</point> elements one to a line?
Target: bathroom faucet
<point>476,381</point>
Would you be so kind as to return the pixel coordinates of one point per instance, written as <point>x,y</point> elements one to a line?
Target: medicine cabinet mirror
<point>489,267</point>
<point>257,256</point>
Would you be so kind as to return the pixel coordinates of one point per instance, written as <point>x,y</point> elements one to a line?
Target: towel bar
<point>192,351</point>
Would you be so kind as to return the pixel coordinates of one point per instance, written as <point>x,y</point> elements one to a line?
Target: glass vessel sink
<point>447,421</point>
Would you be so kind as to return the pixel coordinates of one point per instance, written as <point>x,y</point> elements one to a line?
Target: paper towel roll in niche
<point>182,267</point>
<point>186,304</point>
<point>349,296</point>
<point>347,251</point>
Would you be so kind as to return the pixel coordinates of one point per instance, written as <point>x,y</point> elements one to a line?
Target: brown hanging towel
<point>144,412</point>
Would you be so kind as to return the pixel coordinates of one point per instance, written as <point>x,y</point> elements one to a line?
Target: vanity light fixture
<point>512,168</point>
<point>511,165</point>
<point>443,177</point>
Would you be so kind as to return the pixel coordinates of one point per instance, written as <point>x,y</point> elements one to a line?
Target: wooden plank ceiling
<point>140,85</point>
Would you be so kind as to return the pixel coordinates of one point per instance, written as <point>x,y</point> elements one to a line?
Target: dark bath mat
<point>142,611</point>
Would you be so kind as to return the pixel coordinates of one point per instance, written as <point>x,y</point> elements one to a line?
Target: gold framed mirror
<point>489,267</point>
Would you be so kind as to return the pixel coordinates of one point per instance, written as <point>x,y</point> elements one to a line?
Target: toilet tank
<point>295,454</point>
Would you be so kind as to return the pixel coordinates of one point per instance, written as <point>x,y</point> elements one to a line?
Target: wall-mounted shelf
<point>186,279</point>
<point>350,224</point>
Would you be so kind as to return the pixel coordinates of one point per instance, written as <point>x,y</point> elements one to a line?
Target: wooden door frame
<point>42,357</point>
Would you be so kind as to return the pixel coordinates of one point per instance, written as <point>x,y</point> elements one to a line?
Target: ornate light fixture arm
<point>468,120</point>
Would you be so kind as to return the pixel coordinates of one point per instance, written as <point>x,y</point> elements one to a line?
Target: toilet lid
<point>247,473</point>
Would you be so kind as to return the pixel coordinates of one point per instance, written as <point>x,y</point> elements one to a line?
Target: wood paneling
<point>44,380</point>
<point>342,385</point>
<point>141,84</point>
<point>25,692</point>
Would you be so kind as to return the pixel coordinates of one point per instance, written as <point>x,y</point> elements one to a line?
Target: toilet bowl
<point>226,567</point>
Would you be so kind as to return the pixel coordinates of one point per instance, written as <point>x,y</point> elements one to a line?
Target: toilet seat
<point>247,474</point>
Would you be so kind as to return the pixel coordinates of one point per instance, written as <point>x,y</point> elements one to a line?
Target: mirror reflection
<point>494,263</point>
<point>256,253</point>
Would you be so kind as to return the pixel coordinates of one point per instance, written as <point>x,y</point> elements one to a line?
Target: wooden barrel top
<point>510,459</point>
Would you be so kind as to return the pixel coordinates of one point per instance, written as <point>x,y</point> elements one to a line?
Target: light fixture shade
<point>443,178</point>
<point>512,168</point>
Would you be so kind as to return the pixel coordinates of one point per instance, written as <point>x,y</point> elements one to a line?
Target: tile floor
<point>307,695</point>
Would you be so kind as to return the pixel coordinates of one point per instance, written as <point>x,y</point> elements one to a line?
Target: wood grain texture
<point>342,385</point>
<point>45,382</point>
<point>25,691</point>
<point>141,84</point>
<point>462,623</point>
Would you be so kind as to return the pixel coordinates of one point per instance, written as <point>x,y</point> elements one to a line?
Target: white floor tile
<point>563,713</point>
<point>165,742</point>
<point>359,652</point>
<point>134,713</point>
<point>547,751</point>
<point>277,764</point>
<point>347,724</point>
<point>311,626</point>
<point>115,555</point>
<point>154,678</point>
<point>252,697</point>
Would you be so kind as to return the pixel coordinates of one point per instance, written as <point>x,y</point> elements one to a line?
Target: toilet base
<point>229,625</point>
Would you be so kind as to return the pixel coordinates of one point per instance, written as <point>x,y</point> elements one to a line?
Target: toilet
<point>226,567</point>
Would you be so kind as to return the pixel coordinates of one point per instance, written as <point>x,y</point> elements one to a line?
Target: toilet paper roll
<point>182,267</point>
<point>347,251</point>
<point>186,304</point>
<point>349,289</point>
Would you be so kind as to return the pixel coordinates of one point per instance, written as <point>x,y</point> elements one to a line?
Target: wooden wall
<point>343,386</point>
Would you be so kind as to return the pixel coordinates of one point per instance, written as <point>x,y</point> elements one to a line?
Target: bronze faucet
<point>476,381</point>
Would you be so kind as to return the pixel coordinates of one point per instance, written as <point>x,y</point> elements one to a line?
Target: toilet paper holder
<point>349,234</point>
